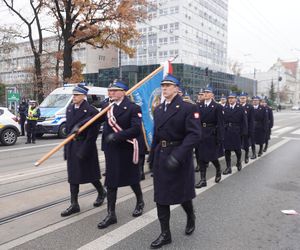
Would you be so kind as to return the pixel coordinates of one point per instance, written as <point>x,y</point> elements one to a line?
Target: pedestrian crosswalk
<point>279,131</point>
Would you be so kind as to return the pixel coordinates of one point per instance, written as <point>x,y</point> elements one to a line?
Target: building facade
<point>195,31</point>
<point>285,78</point>
<point>192,77</point>
<point>16,67</point>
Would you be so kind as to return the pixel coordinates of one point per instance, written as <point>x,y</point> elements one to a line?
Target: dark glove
<point>65,153</point>
<point>110,138</point>
<point>74,130</point>
<point>172,163</point>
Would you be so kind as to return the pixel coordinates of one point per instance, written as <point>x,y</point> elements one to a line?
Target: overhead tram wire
<point>270,25</point>
<point>268,45</point>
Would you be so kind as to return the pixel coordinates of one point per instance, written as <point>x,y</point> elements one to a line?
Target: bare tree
<point>37,48</point>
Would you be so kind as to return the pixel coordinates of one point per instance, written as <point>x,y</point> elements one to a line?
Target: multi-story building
<point>195,30</point>
<point>17,65</point>
<point>285,78</point>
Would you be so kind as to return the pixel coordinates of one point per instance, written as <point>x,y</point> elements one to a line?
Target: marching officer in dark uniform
<point>122,127</point>
<point>200,98</point>
<point>249,138</point>
<point>260,124</point>
<point>235,125</point>
<point>81,153</point>
<point>177,130</point>
<point>270,123</point>
<point>23,107</point>
<point>223,100</point>
<point>33,114</point>
<point>210,147</point>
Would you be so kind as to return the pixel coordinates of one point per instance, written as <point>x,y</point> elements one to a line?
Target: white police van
<point>53,108</point>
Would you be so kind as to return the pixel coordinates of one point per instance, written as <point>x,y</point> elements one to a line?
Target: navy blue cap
<point>232,94</point>
<point>223,97</point>
<point>256,97</point>
<point>118,85</point>
<point>208,89</point>
<point>201,92</point>
<point>80,90</point>
<point>170,79</point>
<point>244,94</point>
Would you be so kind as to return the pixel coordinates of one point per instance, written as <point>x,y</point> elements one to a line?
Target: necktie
<point>205,105</point>
<point>166,106</point>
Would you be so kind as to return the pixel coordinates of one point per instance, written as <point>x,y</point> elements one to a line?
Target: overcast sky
<point>260,31</point>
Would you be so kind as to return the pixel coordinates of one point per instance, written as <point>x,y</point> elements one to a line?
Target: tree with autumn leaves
<point>100,23</point>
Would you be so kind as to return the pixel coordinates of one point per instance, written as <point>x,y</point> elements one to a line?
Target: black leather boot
<point>260,152</point>
<point>253,156</point>
<point>218,171</point>
<point>74,208</point>
<point>163,239</point>
<point>239,165</point>
<point>111,217</point>
<point>190,225</point>
<point>163,212</point>
<point>246,156</point>
<point>228,168</point>
<point>266,147</point>
<point>139,208</point>
<point>202,182</point>
<point>101,194</point>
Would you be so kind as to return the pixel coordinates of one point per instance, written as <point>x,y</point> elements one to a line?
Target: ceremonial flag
<point>148,97</point>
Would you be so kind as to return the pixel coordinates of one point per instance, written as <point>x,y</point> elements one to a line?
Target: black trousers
<point>163,213</point>
<point>238,153</point>
<point>22,123</point>
<point>31,127</point>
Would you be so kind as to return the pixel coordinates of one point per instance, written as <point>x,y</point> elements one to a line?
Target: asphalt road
<point>241,212</point>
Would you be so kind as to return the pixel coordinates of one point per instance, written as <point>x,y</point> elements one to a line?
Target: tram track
<point>36,209</point>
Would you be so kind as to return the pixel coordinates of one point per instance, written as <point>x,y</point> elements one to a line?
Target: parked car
<point>9,127</point>
<point>295,108</point>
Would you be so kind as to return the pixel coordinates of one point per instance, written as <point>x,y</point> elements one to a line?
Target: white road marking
<point>116,236</point>
<point>122,232</point>
<point>36,171</point>
<point>283,130</point>
<point>29,147</point>
<point>275,127</point>
<point>296,132</point>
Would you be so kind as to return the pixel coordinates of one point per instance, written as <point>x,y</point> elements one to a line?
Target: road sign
<point>13,97</point>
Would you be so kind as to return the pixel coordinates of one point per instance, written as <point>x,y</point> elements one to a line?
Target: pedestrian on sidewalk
<point>33,114</point>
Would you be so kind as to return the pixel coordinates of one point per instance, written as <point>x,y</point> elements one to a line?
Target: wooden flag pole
<point>96,117</point>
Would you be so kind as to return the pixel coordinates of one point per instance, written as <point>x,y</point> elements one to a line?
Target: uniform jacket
<point>211,144</point>
<point>249,138</point>
<point>270,122</point>
<point>180,123</point>
<point>120,170</point>
<point>82,153</point>
<point>235,125</point>
<point>260,124</point>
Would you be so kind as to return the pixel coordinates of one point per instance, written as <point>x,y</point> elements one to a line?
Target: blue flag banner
<point>148,96</point>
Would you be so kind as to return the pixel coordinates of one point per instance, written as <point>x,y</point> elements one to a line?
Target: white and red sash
<point>116,128</point>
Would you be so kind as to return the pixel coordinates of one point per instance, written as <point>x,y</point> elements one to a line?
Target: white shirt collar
<point>119,102</point>
<point>207,102</point>
<point>232,105</point>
